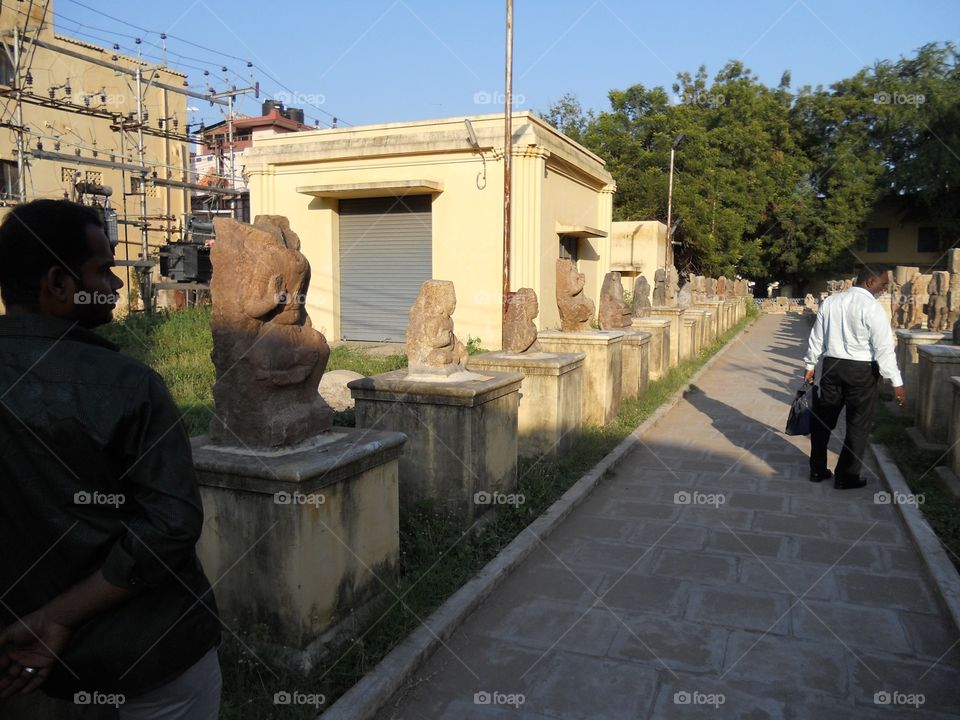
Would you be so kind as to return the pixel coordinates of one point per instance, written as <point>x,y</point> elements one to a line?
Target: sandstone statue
<point>432,348</point>
<point>576,309</point>
<point>721,288</point>
<point>917,317</point>
<point>685,296</point>
<point>711,288</point>
<point>641,297</point>
<point>953,296</point>
<point>936,308</point>
<point>268,358</point>
<point>519,330</point>
<point>660,288</point>
<point>615,314</point>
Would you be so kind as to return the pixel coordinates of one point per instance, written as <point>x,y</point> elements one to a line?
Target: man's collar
<point>864,290</point>
<point>50,326</point>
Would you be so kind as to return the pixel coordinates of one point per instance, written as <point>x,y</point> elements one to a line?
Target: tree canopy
<point>775,183</point>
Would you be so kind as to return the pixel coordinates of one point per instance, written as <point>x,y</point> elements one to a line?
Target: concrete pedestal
<point>549,420</point>
<point>938,363</point>
<point>702,330</point>
<point>300,539</point>
<point>636,363</point>
<point>602,369</point>
<point>689,336</point>
<point>675,316</point>
<point>659,348</point>
<point>462,434</point>
<point>908,359</point>
<point>715,308</point>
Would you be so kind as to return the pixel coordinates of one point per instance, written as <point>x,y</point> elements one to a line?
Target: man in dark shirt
<point>102,597</point>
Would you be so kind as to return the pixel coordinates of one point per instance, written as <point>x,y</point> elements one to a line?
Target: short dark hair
<point>39,235</point>
<point>869,271</point>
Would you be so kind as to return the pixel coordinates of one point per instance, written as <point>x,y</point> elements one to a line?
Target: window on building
<point>928,239</point>
<point>9,180</point>
<point>568,248</point>
<point>7,75</point>
<point>878,240</point>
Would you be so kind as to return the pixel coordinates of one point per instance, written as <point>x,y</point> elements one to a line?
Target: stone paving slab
<point>787,599</point>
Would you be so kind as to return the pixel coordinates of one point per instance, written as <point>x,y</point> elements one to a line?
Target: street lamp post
<point>673,149</point>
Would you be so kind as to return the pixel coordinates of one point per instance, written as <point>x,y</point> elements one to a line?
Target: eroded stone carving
<point>685,296</point>
<point>614,311</point>
<point>519,330</point>
<point>432,348</point>
<point>641,297</point>
<point>660,288</point>
<point>268,358</point>
<point>936,308</point>
<point>576,309</point>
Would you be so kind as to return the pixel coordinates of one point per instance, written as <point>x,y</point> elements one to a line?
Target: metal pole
<point>233,170</point>
<point>145,289</point>
<point>21,175</point>
<point>666,254</point>
<point>507,161</point>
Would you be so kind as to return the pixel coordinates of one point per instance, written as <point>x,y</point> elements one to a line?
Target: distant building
<point>217,165</point>
<point>639,247</point>
<point>896,237</point>
<point>381,208</point>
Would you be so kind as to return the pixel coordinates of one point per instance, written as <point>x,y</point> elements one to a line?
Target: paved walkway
<point>790,600</point>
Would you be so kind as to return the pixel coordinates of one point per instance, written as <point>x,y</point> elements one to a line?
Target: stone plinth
<point>908,359</point>
<point>689,336</point>
<point>549,419</point>
<point>702,331</point>
<point>636,363</point>
<point>462,434</point>
<point>675,316</point>
<point>953,439</point>
<point>659,348</point>
<point>714,307</point>
<point>300,538</point>
<point>602,369</point>
<point>938,363</point>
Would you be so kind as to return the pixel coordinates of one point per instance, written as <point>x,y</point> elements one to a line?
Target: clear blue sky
<point>373,61</point>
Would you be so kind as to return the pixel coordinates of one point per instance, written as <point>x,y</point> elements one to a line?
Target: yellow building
<point>381,208</point>
<point>892,238</point>
<point>639,247</point>
<point>80,124</point>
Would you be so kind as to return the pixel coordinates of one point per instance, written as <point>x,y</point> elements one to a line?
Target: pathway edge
<point>371,693</point>
<point>940,569</point>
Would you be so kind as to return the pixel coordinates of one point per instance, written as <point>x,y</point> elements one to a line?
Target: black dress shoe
<point>820,476</point>
<point>849,483</point>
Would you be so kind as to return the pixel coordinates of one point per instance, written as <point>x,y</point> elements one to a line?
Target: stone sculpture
<point>268,358</point>
<point>641,297</point>
<point>711,288</point>
<point>519,330</point>
<point>721,288</point>
<point>576,309</point>
<point>432,348</point>
<point>953,295</point>
<point>660,288</point>
<point>936,308</point>
<point>685,296</point>
<point>673,285</point>
<point>614,311</point>
<point>917,318</point>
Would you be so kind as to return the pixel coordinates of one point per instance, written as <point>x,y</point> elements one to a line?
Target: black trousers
<point>853,384</point>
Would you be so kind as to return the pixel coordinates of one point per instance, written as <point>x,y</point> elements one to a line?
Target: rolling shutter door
<point>385,255</point>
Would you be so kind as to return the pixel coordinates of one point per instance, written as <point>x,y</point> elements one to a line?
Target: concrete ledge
<point>940,569</point>
<point>922,443</point>
<point>368,696</point>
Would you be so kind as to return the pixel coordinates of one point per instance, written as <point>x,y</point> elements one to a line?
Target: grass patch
<point>434,549</point>
<point>940,507</point>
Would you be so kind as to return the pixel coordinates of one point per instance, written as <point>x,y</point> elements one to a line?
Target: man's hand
<point>900,395</point>
<point>34,641</point>
<point>808,376</point>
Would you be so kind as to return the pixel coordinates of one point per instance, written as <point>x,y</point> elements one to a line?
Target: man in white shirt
<point>853,336</point>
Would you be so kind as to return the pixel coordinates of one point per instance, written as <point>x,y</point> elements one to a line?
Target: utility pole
<point>21,174</point>
<point>507,165</point>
